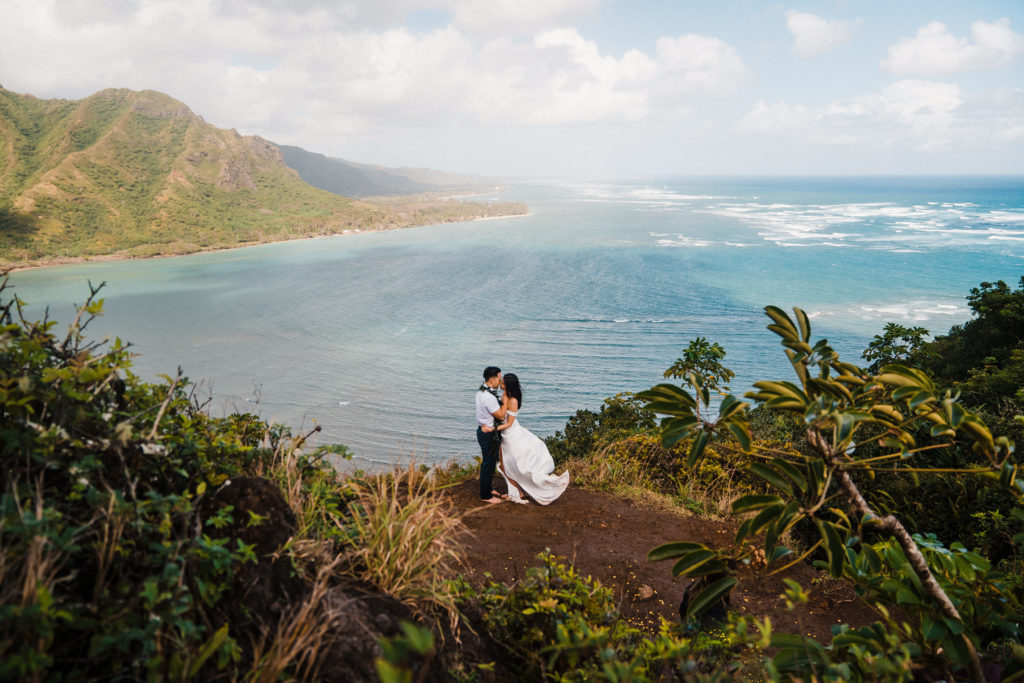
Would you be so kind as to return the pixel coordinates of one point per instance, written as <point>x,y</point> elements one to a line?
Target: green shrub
<point>114,561</point>
<point>558,625</point>
<point>587,431</point>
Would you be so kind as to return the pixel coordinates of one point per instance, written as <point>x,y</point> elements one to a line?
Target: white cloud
<point>934,50</point>
<point>694,63</point>
<point>910,113</point>
<point>519,17</point>
<point>298,74</point>
<point>814,35</point>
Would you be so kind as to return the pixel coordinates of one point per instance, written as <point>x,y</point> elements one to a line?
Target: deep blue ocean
<point>381,337</point>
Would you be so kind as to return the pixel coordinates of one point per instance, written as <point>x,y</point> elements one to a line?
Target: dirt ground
<point>608,538</point>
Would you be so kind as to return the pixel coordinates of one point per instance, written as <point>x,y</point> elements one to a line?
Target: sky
<point>562,88</point>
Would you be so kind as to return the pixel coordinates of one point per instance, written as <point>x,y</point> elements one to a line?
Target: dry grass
<point>28,577</point>
<point>623,468</point>
<point>604,470</point>
<point>403,539</point>
<point>295,646</point>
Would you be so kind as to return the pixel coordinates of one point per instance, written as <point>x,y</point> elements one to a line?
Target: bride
<point>525,462</point>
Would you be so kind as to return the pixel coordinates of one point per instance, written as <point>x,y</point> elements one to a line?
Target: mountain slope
<point>137,173</point>
<point>365,180</point>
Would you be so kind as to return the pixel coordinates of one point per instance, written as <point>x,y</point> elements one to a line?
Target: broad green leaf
<point>765,517</point>
<point>670,551</point>
<point>955,412</point>
<point>782,320</point>
<point>744,530</point>
<point>803,322</point>
<point>740,432</point>
<point>676,429</point>
<point>771,476</point>
<point>887,411</point>
<point>834,547</point>
<point>697,449</point>
<point>692,560</point>
<point>754,501</point>
<point>844,426</point>
<point>730,406</point>
<point>792,472</point>
<point>955,627</point>
<point>420,639</point>
<point>710,595</point>
<point>920,398</point>
<point>794,641</point>
<point>668,399</point>
<point>709,567</point>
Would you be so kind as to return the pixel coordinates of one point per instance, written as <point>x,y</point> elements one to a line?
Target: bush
<point>558,625</point>
<point>947,602</point>
<point>587,431</point>
<point>125,547</point>
<point>108,567</point>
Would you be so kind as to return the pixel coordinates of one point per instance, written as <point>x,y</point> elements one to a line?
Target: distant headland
<point>135,174</point>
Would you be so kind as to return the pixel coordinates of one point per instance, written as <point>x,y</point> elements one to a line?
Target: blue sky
<point>577,88</point>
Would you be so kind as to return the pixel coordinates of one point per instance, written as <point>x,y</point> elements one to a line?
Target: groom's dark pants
<point>489,442</point>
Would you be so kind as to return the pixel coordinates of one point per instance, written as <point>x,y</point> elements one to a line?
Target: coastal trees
<point>937,605</point>
<point>896,344</point>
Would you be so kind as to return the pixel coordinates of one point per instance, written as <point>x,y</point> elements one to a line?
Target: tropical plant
<point>896,345</point>
<point>945,602</point>
<point>703,358</point>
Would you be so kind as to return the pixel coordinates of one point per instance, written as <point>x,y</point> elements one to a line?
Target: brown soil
<point>608,538</point>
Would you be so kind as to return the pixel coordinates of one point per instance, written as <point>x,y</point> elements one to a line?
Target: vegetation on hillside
<point>142,538</point>
<point>138,174</point>
<point>352,179</point>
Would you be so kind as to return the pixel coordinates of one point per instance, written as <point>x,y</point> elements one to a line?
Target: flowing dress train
<point>527,462</point>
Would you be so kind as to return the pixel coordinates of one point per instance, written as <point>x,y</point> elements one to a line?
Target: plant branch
<point>892,526</point>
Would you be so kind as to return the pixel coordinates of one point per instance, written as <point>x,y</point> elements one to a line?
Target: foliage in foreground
<point>558,625</point>
<point>941,605</point>
<point>98,468</point>
<point>123,552</point>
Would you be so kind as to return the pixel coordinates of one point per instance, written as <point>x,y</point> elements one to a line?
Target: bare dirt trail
<point>608,538</point>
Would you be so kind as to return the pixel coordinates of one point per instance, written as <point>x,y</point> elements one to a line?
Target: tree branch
<point>892,526</point>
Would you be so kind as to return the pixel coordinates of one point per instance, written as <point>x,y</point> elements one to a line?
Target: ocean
<point>381,337</point>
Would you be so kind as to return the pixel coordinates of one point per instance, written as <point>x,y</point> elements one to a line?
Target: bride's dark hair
<point>513,389</point>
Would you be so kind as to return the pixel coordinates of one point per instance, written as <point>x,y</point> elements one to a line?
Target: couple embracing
<point>520,457</point>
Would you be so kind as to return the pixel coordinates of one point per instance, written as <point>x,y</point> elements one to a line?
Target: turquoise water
<point>381,337</point>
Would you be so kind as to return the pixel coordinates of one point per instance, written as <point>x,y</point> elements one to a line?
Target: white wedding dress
<point>527,462</point>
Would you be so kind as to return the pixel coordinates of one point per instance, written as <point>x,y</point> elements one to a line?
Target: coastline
<point>122,256</point>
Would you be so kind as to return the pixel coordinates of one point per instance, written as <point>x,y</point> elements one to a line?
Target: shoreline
<point>77,260</point>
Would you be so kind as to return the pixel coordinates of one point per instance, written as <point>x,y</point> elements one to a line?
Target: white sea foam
<point>668,239</point>
<point>643,195</point>
<point>683,241</point>
<point>877,224</point>
<point>918,310</point>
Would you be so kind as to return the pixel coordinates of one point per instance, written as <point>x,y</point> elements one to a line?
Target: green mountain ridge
<point>137,173</point>
<point>354,179</point>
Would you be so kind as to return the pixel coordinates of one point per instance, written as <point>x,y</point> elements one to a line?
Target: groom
<point>488,409</point>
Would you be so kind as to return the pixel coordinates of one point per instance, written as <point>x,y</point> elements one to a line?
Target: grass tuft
<point>403,539</point>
